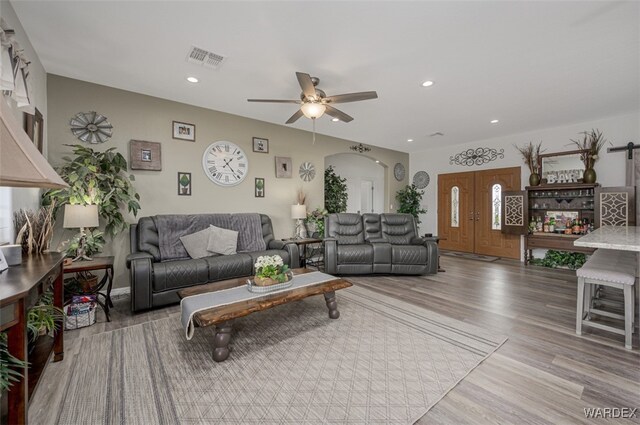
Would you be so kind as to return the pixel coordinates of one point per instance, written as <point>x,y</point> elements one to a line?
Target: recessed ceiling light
<point>494,121</point>
<point>427,83</point>
<point>335,119</point>
<point>192,79</point>
<point>409,140</point>
<point>377,162</point>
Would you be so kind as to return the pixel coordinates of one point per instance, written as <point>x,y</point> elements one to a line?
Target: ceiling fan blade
<point>351,97</point>
<point>308,88</point>
<point>335,113</point>
<point>295,117</point>
<point>274,100</point>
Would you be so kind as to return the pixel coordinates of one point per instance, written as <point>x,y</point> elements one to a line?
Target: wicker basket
<point>267,281</point>
<point>80,315</point>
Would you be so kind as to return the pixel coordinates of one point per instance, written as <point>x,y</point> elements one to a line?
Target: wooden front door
<point>489,239</point>
<point>469,208</point>
<point>455,211</point>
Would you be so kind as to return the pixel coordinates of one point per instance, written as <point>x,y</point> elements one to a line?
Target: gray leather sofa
<point>156,283</point>
<point>377,243</point>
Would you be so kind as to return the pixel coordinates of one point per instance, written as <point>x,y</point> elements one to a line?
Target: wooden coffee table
<point>222,317</point>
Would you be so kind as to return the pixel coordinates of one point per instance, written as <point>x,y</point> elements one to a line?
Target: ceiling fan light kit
<point>315,103</point>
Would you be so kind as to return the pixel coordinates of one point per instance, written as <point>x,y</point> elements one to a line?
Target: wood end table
<point>97,263</point>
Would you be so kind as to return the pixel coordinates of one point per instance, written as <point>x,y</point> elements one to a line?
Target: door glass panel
<point>496,199</point>
<point>455,206</point>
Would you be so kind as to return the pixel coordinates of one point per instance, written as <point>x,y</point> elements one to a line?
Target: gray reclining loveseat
<point>377,243</point>
<point>155,281</point>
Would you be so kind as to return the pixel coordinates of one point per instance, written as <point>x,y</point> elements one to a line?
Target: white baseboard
<point>120,292</point>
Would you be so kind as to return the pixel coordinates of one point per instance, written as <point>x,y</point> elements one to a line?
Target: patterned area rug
<point>382,362</point>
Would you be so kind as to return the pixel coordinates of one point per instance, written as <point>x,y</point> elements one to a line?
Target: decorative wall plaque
<point>478,156</point>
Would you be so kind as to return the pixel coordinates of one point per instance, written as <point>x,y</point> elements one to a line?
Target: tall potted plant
<point>97,178</point>
<point>591,143</point>
<point>409,200</point>
<point>531,156</point>
<point>335,192</point>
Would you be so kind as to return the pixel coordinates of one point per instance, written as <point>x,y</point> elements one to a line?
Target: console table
<point>20,288</point>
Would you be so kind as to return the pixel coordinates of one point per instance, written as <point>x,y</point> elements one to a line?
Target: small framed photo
<point>283,167</point>
<point>184,183</point>
<point>259,187</point>
<point>184,131</point>
<point>145,155</point>
<point>260,145</point>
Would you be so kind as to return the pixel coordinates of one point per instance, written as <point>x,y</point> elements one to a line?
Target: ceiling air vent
<point>205,58</point>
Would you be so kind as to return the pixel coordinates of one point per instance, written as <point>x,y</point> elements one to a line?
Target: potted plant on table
<point>315,222</point>
<point>531,156</point>
<point>271,270</point>
<point>590,144</point>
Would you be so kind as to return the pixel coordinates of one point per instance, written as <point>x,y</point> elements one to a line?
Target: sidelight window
<point>496,199</point>
<point>455,206</point>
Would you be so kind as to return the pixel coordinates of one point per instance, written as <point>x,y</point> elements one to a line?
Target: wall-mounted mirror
<point>562,167</point>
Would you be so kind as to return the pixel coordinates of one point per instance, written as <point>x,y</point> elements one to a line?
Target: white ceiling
<point>530,64</point>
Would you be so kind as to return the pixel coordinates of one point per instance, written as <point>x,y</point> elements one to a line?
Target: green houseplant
<point>97,178</point>
<point>409,201</point>
<point>335,192</point>
<point>271,270</point>
<point>43,318</point>
<point>9,365</point>
<point>315,222</point>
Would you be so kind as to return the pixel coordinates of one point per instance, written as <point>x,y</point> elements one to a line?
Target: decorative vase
<point>534,179</point>
<point>312,228</point>
<point>589,176</point>
<point>267,281</point>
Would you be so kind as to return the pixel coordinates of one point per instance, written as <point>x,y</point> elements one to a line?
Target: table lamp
<point>299,213</point>
<point>80,216</point>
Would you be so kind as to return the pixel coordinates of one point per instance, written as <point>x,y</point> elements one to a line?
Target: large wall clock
<point>225,163</point>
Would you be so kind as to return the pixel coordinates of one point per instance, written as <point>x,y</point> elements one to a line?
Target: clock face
<point>225,163</point>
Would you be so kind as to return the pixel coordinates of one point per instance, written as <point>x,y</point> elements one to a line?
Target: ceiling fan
<point>314,102</point>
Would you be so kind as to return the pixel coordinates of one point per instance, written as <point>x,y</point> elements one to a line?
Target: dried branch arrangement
<point>35,229</point>
<point>301,197</point>
<point>531,155</point>
<point>592,141</point>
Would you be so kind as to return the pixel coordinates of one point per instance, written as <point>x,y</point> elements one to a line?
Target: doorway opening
<point>365,181</point>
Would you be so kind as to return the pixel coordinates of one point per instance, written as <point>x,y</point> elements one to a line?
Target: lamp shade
<point>76,216</point>
<point>21,164</point>
<point>298,211</point>
<point>313,110</point>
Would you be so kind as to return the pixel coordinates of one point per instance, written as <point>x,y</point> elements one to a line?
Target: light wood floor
<point>544,373</point>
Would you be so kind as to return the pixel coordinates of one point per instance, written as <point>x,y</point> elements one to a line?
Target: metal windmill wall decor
<point>91,127</point>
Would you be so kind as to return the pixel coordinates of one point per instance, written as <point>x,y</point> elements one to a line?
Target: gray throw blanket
<point>172,227</point>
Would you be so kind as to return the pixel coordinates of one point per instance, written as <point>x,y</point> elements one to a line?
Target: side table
<point>303,244</point>
<point>98,263</point>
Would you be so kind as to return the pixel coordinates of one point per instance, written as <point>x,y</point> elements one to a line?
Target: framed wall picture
<point>145,155</point>
<point>184,183</point>
<point>283,167</point>
<point>34,127</point>
<point>260,145</point>
<point>259,187</point>
<point>184,131</point>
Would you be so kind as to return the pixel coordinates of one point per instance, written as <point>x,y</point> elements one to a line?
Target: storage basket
<point>80,315</point>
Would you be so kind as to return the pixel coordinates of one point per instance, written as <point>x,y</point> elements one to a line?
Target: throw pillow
<point>222,241</point>
<point>196,243</point>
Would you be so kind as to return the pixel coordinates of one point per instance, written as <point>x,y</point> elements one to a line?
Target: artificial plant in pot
<point>315,222</point>
<point>10,366</point>
<point>335,192</point>
<point>97,178</point>
<point>591,143</point>
<point>531,156</point>
<point>43,318</point>
<point>409,200</point>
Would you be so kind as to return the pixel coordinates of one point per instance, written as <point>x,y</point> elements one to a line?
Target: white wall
<point>12,199</point>
<point>619,130</point>
<point>356,168</point>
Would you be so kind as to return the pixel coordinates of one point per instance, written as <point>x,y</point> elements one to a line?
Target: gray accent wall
<point>140,117</point>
